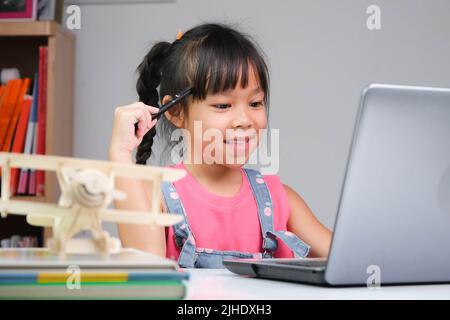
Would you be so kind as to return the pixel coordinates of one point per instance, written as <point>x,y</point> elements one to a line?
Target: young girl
<point>229,211</point>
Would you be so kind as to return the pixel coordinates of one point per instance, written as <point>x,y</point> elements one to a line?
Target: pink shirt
<point>229,223</point>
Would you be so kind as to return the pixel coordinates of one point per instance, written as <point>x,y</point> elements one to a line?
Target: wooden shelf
<point>29,198</point>
<point>20,42</point>
<point>34,29</point>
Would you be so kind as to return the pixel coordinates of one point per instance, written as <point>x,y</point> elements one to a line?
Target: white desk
<point>219,284</point>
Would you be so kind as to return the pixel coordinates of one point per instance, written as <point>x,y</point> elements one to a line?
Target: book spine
<point>23,181</point>
<point>32,172</point>
<point>19,139</point>
<point>42,115</point>
<point>8,106</point>
<point>17,108</point>
<point>23,178</point>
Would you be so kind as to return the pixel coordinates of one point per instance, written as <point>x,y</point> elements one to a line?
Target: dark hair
<point>210,58</point>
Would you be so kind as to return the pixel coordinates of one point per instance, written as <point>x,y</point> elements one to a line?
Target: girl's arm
<point>124,140</point>
<point>305,225</point>
<point>142,237</point>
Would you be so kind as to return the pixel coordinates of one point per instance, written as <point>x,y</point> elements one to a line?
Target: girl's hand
<point>124,139</point>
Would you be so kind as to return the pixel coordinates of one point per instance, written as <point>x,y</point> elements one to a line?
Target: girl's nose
<point>241,118</point>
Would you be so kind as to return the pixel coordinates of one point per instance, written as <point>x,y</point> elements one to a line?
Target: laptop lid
<point>393,220</point>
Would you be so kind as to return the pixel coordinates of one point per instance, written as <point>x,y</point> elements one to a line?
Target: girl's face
<point>225,128</point>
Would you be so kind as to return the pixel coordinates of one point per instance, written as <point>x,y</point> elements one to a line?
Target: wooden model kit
<point>87,190</point>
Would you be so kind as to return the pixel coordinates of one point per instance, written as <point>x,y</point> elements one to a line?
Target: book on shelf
<point>15,108</point>
<point>17,241</point>
<point>42,114</point>
<point>19,140</point>
<point>31,183</point>
<point>23,172</point>
<point>8,101</point>
<point>23,125</point>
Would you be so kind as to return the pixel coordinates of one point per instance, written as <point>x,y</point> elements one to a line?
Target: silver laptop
<point>393,222</point>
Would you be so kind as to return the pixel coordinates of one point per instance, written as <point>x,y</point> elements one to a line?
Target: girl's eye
<point>256,104</point>
<point>222,106</point>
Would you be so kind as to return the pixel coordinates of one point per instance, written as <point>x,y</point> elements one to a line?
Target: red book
<point>19,139</point>
<point>42,116</point>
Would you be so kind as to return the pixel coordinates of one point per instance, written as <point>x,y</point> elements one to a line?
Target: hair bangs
<point>224,62</point>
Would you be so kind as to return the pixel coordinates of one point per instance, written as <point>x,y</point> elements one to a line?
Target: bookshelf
<point>19,47</point>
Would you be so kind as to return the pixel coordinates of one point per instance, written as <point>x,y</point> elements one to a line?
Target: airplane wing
<point>43,214</point>
<point>53,163</point>
<point>137,217</point>
<point>40,221</point>
<point>20,207</point>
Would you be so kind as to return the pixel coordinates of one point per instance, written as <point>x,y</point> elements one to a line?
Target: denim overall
<point>194,257</point>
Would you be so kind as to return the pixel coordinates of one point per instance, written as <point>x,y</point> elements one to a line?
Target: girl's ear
<point>178,119</point>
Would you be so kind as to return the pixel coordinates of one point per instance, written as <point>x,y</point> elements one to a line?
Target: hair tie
<point>179,34</point>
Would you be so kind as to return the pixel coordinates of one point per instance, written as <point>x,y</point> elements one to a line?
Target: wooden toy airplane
<point>87,189</point>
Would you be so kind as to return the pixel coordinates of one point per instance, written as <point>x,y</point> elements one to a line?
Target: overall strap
<point>265,207</point>
<point>265,213</point>
<point>184,237</point>
<point>300,248</point>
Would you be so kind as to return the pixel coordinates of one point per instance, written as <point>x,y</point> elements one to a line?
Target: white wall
<point>320,53</point>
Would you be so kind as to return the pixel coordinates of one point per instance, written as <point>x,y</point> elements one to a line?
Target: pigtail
<point>149,79</point>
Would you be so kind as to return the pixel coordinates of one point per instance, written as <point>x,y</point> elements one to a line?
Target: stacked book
<point>35,273</point>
